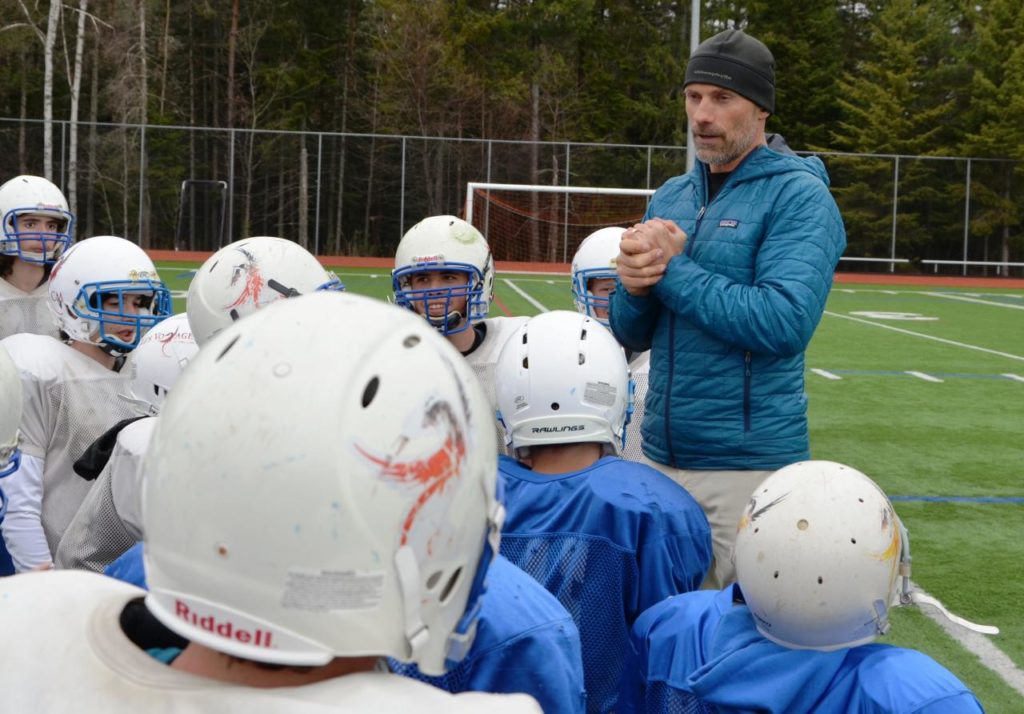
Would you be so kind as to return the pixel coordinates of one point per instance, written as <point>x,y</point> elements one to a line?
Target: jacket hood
<point>796,678</point>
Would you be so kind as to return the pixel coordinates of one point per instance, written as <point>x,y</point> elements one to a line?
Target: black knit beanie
<point>736,61</point>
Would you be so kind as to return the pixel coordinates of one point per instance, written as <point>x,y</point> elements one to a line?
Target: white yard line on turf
<point>922,375</point>
<point>525,296</point>
<point>944,341</point>
<point>980,645</point>
<point>963,298</point>
<point>825,373</point>
<point>1015,377</point>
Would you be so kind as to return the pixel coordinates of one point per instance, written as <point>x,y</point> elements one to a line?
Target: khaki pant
<point>723,495</point>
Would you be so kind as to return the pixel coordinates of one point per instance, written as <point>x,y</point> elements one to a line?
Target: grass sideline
<point>958,437</point>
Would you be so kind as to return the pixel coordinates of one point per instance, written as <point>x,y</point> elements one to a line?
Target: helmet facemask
<point>154,304</point>
<point>595,259</point>
<point>448,309</point>
<point>587,302</point>
<point>36,246</point>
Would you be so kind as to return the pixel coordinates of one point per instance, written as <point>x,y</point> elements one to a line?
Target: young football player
<point>37,227</point>
<point>320,495</point>
<point>606,536</point>
<point>593,280</point>
<point>105,294</point>
<point>247,275</point>
<point>109,520</point>
<point>444,272</point>
<point>821,557</point>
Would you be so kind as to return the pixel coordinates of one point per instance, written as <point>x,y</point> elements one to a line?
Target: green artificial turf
<point>961,437</point>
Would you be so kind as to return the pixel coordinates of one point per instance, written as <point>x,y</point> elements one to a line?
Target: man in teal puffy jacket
<point>725,282</point>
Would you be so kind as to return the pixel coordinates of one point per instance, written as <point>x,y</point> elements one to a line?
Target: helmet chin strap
<point>450,321</point>
<point>910,596</point>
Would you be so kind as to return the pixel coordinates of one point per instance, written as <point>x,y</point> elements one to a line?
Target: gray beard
<point>733,150</point>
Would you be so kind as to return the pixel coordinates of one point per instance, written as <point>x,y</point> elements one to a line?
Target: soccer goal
<point>546,224</point>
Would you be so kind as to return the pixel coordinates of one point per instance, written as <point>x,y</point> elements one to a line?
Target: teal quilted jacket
<point>728,324</point>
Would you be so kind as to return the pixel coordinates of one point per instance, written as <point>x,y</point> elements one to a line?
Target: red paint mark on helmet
<point>433,472</point>
<point>249,271</point>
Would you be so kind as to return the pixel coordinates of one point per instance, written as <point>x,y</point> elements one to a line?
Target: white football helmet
<point>10,414</point>
<point>340,497</point>
<point>562,378</point>
<point>102,267</point>
<point>155,365</point>
<point>595,259</point>
<point>34,195</point>
<point>247,275</point>
<point>818,557</point>
<point>445,244</point>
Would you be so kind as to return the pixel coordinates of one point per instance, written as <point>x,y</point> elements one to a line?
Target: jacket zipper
<point>747,357</point>
<point>688,250</point>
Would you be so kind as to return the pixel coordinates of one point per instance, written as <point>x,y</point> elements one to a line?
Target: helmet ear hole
<point>228,347</point>
<point>450,585</point>
<point>370,391</point>
<point>433,579</point>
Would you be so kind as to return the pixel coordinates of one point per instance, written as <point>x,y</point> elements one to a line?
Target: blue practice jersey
<point>129,567</point>
<point>608,541</point>
<point>525,642</point>
<point>701,652</point>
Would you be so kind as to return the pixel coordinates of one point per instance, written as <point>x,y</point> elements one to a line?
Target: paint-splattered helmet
<point>249,274</point>
<point>340,498</point>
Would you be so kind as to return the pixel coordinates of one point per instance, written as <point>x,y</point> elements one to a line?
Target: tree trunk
<point>280,198</point>
<point>340,206</point>
<point>1004,248</point>
<point>534,169</point>
<point>192,143</point>
<point>52,25</point>
<point>94,92</point>
<point>76,84</point>
<point>23,113</point>
<point>303,190</point>
<point>232,45</point>
<point>143,120</point>
<point>373,151</point>
<point>165,53</point>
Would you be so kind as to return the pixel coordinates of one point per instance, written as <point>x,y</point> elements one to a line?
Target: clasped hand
<point>644,252</point>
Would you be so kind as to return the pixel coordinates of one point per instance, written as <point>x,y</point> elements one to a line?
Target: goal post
<point>546,224</point>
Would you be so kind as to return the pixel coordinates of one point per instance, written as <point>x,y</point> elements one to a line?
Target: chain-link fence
<point>355,194</point>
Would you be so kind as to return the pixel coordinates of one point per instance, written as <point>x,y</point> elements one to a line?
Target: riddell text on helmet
<point>226,629</point>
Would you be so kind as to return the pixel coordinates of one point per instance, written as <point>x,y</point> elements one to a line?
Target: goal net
<point>546,224</point>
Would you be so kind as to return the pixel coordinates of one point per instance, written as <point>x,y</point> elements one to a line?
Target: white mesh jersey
<point>67,621</point>
<point>69,401</point>
<point>484,359</point>
<point>639,366</point>
<point>25,312</point>
<point>109,521</point>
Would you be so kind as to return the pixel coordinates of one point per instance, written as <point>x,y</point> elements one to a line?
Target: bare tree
<point>52,25</point>
<point>76,83</point>
<point>49,40</point>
